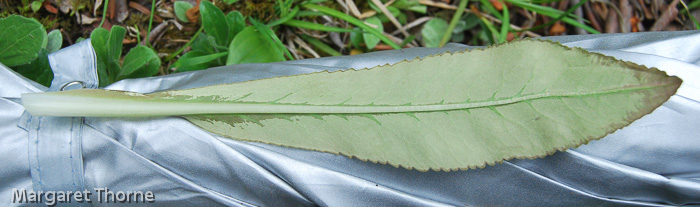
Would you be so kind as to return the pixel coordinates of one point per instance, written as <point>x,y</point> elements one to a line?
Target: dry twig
<point>666,18</point>
<point>413,24</point>
<point>144,10</point>
<point>303,44</point>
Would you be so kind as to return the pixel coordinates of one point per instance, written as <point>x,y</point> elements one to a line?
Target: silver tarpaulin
<point>653,162</point>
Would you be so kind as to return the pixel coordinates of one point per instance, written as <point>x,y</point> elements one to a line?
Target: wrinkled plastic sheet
<point>653,162</point>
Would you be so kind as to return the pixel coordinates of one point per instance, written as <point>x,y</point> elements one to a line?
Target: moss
<point>264,11</point>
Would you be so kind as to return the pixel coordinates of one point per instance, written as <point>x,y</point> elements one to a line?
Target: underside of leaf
<point>524,99</point>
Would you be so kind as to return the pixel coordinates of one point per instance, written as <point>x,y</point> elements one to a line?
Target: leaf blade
<point>487,110</point>
<point>38,69</point>
<point>108,49</point>
<point>22,38</point>
<point>181,8</point>
<point>140,62</point>
<point>371,40</point>
<point>215,23</point>
<point>55,41</point>
<point>196,60</point>
<point>250,46</point>
<point>433,31</point>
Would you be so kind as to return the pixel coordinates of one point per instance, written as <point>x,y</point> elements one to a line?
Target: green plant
<point>433,31</point>
<point>24,47</point>
<point>477,109</point>
<point>36,5</point>
<point>352,20</point>
<point>370,39</point>
<point>411,5</point>
<point>140,61</point>
<point>207,48</point>
<point>686,10</point>
<point>564,16</point>
<point>320,45</point>
<point>181,8</point>
<point>458,16</point>
<point>490,33</point>
<point>221,44</point>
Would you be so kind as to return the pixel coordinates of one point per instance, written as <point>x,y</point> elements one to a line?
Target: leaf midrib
<point>289,108</point>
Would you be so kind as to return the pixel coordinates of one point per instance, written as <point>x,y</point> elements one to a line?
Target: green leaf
<point>230,1</point>
<point>216,46</point>
<point>36,5</point>
<point>420,9</point>
<point>320,45</point>
<point>552,12</point>
<point>108,49</point>
<point>215,23</point>
<point>468,22</point>
<point>314,26</point>
<point>505,26</point>
<point>487,6</point>
<point>356,37</point>
<point>99,39</point>
<point>202,43</point>
<point>393,10</point>
<point>411,5</point>
<point>693,5</point>
<point>236,23</point>
<point>285,18</point>
<point>272,39</point>
<point>55,41</point>
<point>20,40</point>
<point>38,70</point>
<point>205,45</point>
<point>104,65</point>
<point>196,60</point>
<point>315,1</point>
<point>557,19</point>
<point>408,39</point>
<point>372,40</point>
<point>140,62</point>
<point>446,112</point>
<point>447,35</point>
<point>489,30</point>
<point>308,13</point>
<point>116,37</point>
<point>432,32</point>
<point>405,4</point>
<point>354,21</point>
<point>181,8</point>
<point>250,46</point>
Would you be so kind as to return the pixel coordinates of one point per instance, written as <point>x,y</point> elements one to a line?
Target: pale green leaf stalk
<point>446,112</point>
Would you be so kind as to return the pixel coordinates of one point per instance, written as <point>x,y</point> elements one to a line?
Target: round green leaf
<point>55,41</point>
<point>356,37</point>
<point>21,39</point>
<point>372,40</point>
<point>181,8</point>
<point>433,31</point>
